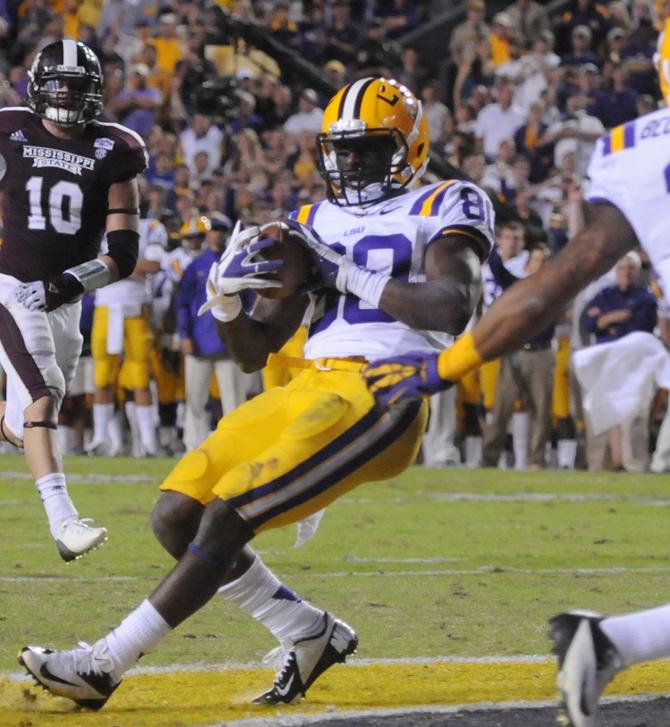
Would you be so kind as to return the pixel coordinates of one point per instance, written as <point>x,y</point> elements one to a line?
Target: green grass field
<point>436,562</point>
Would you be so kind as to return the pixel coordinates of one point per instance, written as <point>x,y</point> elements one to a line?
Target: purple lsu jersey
<point>55,191</point>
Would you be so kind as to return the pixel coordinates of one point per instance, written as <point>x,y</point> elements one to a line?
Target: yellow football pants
<point>293,450</point>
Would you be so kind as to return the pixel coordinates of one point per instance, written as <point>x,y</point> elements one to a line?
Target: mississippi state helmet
<point>374,142</point>
<point>65,83</point>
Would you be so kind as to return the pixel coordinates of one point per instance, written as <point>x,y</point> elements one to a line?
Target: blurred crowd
<point>516,102</point>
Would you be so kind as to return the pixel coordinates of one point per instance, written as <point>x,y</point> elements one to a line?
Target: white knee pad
<point>54,379</point>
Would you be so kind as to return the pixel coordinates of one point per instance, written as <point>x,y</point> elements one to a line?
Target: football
<point>296,259</point>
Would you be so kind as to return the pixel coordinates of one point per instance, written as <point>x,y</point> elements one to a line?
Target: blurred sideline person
<point>629,176</point>
<point>614,312</point>
<point>75,413</point>
<point>66,179</point>
<point>393,263</point>
<point>121,343</point>
<point>525,374</point>
<point>204,352</point>
<point>167,360</point>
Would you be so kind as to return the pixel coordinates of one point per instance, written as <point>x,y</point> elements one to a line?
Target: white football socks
<point>139,633</point>
<point>520,431</point>
<point>640,636</point>
<point>102,415</point>
<point>147,426</point>
<point>57,503</point>
<point>567,453</point>
<point>264,598</point>
<point>473,451</point>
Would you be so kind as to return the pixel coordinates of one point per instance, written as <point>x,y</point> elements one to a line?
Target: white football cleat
<point>77,537</point>
<point>301,662</point>
<point>587,662</point>
<point>84,675</point>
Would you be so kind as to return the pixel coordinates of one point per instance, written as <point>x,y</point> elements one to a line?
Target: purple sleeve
<point>590,322</point>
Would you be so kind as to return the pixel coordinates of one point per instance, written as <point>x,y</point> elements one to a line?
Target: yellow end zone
<point>208,697</point>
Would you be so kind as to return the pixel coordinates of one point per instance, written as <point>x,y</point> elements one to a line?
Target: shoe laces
<point>94,659</point>
<point>79,526</point>
<point>282,658</point>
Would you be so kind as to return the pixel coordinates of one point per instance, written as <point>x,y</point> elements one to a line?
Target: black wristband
<point>63,288</point>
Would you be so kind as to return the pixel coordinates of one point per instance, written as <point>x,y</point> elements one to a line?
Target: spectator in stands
<point>336,73</point>
<point>527,140</point>
<point>501,30</point>
<point>342,35</point>
<point>619,104</point>
<point>586,13</point>
<point>498,175</point>
<point>412,73</point>
<point>378,55</point>
<point>397,16</point>
<point>470,32</point>
<point>283,28</point>
<point>202,134</point>
<point>637,56</point>
<point>436,112</point>
<point>313,34</point>
<point>613,313</point>
<point>615,43</point>
<point>308,117</point>
<point>136,105</point>
<point>529,20</point>
<point>576,132</point>
<point>499,120</point>
<point>244,116</point>
<point>581,48</point>
<point>168,47</point>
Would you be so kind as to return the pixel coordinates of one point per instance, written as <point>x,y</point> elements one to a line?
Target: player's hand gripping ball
<point>296,268</point>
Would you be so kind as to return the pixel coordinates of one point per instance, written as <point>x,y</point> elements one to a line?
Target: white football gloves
<point>239,268</point>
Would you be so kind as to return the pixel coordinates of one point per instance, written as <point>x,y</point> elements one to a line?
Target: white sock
<point>56,501</point>
<point>473,451</point>
<point>166,435</point>
<point>520,429</point>
<point>140,632</point>
<point>640,636</point>
<point>266,599</point>
<point>65,436</point>
<point>114,434</point>
<point>131,415</point>
<point>147,427</point>
<point>102,413</point>
<point>567,453</point>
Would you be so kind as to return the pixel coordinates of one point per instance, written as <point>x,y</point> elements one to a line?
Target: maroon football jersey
<point>55,191</point>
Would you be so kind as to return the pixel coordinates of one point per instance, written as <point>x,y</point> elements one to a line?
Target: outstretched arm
<point>531,305</point>
<point>525,309</point>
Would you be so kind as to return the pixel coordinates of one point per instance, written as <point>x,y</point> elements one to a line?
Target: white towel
<point>620,378</point>
<point>116,315</point>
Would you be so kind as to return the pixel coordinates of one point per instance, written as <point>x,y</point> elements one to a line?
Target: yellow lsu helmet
<point>374,142</point>
<point>195,226</point>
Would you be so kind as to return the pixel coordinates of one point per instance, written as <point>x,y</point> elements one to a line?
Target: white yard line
<point>90,478</point>
<point>497,569</point>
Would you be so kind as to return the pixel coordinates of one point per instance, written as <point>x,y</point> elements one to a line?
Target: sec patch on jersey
<point>297,262</point>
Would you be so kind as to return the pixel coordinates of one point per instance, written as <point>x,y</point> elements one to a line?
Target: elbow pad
<point>123,248</point>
